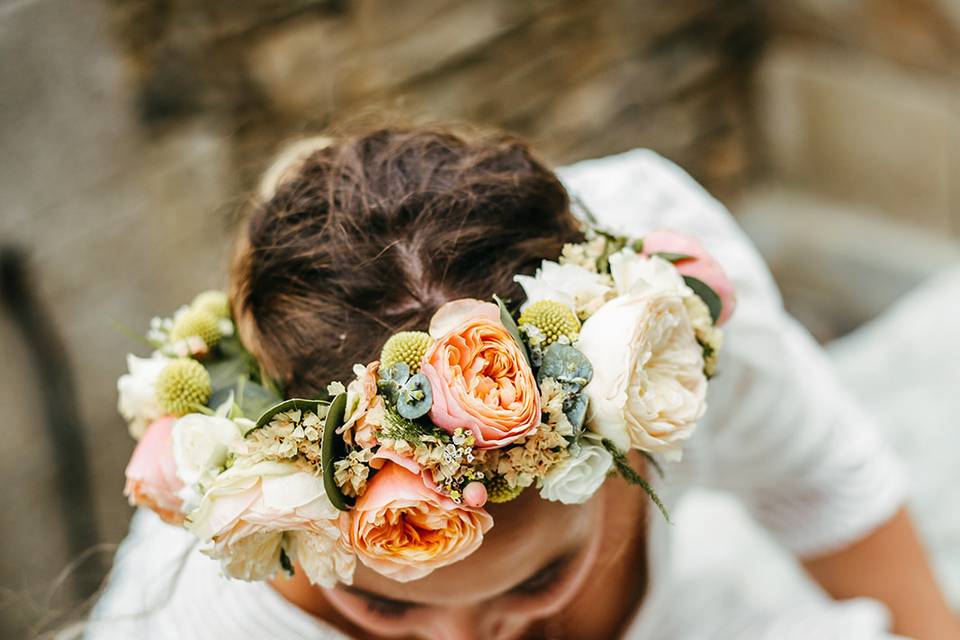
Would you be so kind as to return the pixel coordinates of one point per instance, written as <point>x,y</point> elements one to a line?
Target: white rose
<point>648,385</point>
<point>577,478</point>
<point>137,397</point>
<point>581,290</point>
<point>638,274</point>
<point>200,447</point>
<point>252,511</point>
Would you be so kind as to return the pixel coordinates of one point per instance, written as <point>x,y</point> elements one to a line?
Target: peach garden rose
<point>404,529</point>
<point>479,375</point>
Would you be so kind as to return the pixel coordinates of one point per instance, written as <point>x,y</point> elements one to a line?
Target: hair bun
<point>288,162</point>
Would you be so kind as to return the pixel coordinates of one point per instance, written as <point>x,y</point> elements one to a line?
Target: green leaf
<point>253,399</point>
<point>707,294</point>
<point>673,257</point>
<point>653,462</point>
<point>614,244</point>
<point>285,563</point>
<point>333,448</point>
<point>507,319</point>
<point>133,335</point>
<point>631,476</point>
<point>224,372</point>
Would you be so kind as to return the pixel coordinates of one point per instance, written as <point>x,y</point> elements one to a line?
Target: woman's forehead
<point>529,534</point>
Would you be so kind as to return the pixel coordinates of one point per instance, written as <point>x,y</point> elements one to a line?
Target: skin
<point>539,558</point>
<point>503,591</point>
<point>891,566</point>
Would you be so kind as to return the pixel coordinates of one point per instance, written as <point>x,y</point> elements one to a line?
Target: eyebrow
<point>557,564</point>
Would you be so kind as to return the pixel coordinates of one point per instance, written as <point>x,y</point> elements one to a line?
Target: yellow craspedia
<point>406,346</point>
<point>213,302</point>
<point>498,490</point>
<point>183,386</point>
<point>196,322</point>
<point>552,319</point>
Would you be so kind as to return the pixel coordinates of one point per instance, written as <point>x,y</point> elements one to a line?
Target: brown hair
<point>356,238</point>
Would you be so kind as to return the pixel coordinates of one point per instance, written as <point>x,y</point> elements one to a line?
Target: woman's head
<point>356,238</point>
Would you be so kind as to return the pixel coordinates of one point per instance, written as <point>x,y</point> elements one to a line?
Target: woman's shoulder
<point>162,586</point>
<point>639,191</point>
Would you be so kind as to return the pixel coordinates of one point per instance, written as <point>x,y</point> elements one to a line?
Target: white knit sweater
<point>779,433</point>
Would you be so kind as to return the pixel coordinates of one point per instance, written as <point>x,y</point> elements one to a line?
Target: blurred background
<point>132,130</point>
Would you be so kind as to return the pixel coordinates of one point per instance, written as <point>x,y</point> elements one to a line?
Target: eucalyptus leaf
<point>415,398</point>
<point>567,365</point>
<point>673,257</point>
<point>390,380</point>
<point>333,448</point>
<point>575,408</point>
<point>707,294</point>
<point>507,319</point>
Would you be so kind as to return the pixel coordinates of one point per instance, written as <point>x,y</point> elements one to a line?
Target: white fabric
<point>903,365</point>
<point>779,433</point>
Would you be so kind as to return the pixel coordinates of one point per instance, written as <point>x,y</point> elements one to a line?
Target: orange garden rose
<point>479,375</point>
<point>404,529</point>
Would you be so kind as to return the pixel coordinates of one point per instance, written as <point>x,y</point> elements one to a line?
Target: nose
<point>469,623</point>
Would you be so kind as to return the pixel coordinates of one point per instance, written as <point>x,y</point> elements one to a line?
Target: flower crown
<point>610,351</point>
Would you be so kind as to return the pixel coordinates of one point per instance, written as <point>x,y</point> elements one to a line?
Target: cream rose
<point>251,512</point>
<point>581,290</point>
<point>637,274</point>
<point>200,447</point>
<point>137,397</point>
<point>577,478</point>
<point>648,385</point>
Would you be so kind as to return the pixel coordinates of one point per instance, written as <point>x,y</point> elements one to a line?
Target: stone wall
<point>857,124</point>
<point>860,102</point>
<point>577,78</point>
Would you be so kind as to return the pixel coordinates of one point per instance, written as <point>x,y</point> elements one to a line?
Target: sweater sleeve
<point>780,432</point>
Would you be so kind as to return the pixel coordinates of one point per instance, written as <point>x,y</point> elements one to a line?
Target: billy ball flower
<point>183,386</point>
<point>500,491</point>
<point>408,347</point>
<point>196,322</point>
<point>213,302</point>
<point>552,319</point>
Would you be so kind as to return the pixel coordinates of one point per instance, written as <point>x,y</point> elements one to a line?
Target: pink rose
<point>152,473</point>
<point>404,530</point>
<point>479,375</point>
<point>701,266</point>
